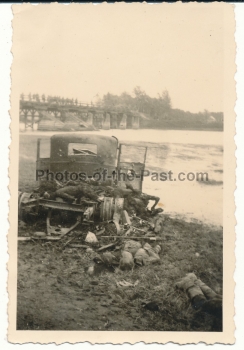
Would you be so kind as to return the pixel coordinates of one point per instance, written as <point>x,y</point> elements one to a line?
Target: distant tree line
<point>157,112</point>
<point>153,108</point>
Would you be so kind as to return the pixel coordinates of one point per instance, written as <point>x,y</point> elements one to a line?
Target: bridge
<point>55,113</point>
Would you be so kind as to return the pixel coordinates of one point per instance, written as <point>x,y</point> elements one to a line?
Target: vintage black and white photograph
<point>120,173</point>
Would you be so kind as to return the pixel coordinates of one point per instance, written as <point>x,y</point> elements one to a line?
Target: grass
<point>55,279</point>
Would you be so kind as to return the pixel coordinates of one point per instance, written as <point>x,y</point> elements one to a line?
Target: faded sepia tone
<point>122,174</point>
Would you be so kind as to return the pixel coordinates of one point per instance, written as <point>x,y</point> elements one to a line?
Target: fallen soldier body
<point>70,193</point>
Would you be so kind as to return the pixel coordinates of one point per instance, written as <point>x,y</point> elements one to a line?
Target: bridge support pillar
<point>113,121</point>
<point>90,118</point>
<point>29,119</point>
<point>106,122</point>
<point>135,122</point>
<point>123,122</point>
<point>99,120</point>
<point>62,116</point>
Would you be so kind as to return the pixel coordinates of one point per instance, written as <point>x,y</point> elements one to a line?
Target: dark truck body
<point>91,154</point>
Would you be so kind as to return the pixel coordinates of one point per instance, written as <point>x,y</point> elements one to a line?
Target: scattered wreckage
<point>88,179</point>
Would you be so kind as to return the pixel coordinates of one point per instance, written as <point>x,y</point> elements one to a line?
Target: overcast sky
<point>80,51</point>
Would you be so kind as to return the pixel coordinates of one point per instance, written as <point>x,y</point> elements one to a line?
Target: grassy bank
<point>56,293</point>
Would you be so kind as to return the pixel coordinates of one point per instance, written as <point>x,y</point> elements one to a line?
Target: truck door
<point>131,164</point>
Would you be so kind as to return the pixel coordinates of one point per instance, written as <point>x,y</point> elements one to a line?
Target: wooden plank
<point>104,247</point>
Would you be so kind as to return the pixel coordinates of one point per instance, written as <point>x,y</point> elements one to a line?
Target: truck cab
<point>92,154</point>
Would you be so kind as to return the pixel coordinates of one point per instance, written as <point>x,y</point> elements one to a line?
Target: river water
<point>179,151</point>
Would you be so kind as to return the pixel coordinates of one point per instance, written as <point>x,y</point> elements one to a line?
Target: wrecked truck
<point>90,177</point>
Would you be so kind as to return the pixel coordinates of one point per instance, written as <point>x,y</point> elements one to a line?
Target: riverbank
<point>55,292</point>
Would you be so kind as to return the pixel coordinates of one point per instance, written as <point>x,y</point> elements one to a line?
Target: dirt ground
<point>56,292</point>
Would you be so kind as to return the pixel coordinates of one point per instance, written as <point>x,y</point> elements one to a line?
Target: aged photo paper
<point>122,174</point>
